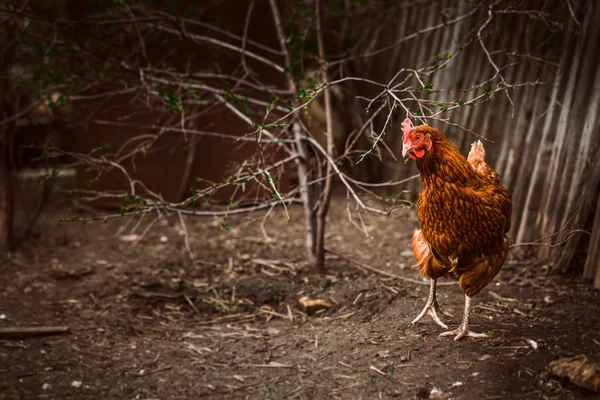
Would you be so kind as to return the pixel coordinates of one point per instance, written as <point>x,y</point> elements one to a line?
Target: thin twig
<point>411,36</point>
<point>572,13</point>
<point>565,239</point>
<point>186,238</point>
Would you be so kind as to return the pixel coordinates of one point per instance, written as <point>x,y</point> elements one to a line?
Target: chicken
<point>464,214</point>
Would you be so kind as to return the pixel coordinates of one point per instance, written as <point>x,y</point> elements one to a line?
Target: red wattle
<point>419,152</point>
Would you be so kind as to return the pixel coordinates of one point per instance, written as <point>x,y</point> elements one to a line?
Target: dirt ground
<point>148,324</point>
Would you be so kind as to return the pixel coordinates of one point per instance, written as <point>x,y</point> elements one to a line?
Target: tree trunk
<point>301,146</point>
<point>326,196</point>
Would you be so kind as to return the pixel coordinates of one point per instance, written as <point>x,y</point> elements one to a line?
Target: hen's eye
<point>418,137</point>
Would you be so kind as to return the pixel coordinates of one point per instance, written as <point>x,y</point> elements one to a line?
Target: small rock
<point>76,384</point>
<point>164,239</point>
<point>46,386</point>
<point>436,393</point>
<point>457,384</point>
<point>211,387</point>
<point>532,343</point>
<point>130,238</point>
<point>383,354</point>
<point>2,316</point>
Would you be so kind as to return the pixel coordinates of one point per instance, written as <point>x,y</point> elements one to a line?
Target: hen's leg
<point>432,308</point>
<point>463,329</point>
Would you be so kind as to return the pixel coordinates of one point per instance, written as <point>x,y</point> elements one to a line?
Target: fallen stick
<point>364,266</point>
<point>272,364</point>
<point>24,332</point>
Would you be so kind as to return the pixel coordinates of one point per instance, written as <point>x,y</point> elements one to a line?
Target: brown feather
<point>464,213</point>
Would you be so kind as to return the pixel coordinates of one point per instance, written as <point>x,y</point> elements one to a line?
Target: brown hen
<point>464,213</point>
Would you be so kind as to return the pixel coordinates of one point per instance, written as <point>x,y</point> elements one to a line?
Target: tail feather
<point>476,159</point>
<point>476,156</point>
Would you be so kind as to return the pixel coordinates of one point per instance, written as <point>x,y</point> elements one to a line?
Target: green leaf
<point>427,88</point>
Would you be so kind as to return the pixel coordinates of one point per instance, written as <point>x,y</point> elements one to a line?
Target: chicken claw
<point>432,308</point>
<point>463,329</point>
<point>462,332</point>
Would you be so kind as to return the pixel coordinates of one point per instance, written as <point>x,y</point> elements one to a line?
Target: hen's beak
<point>406,147</point>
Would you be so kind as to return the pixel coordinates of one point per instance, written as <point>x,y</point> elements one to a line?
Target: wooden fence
<point>545,143</point>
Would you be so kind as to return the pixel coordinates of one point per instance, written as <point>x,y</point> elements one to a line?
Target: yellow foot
<point>463,331</point>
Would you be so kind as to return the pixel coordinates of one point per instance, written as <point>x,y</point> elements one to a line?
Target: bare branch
<point>220,43</point>
<point>410,37</point>
<point>565,239</point>
<point>572,13</point>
